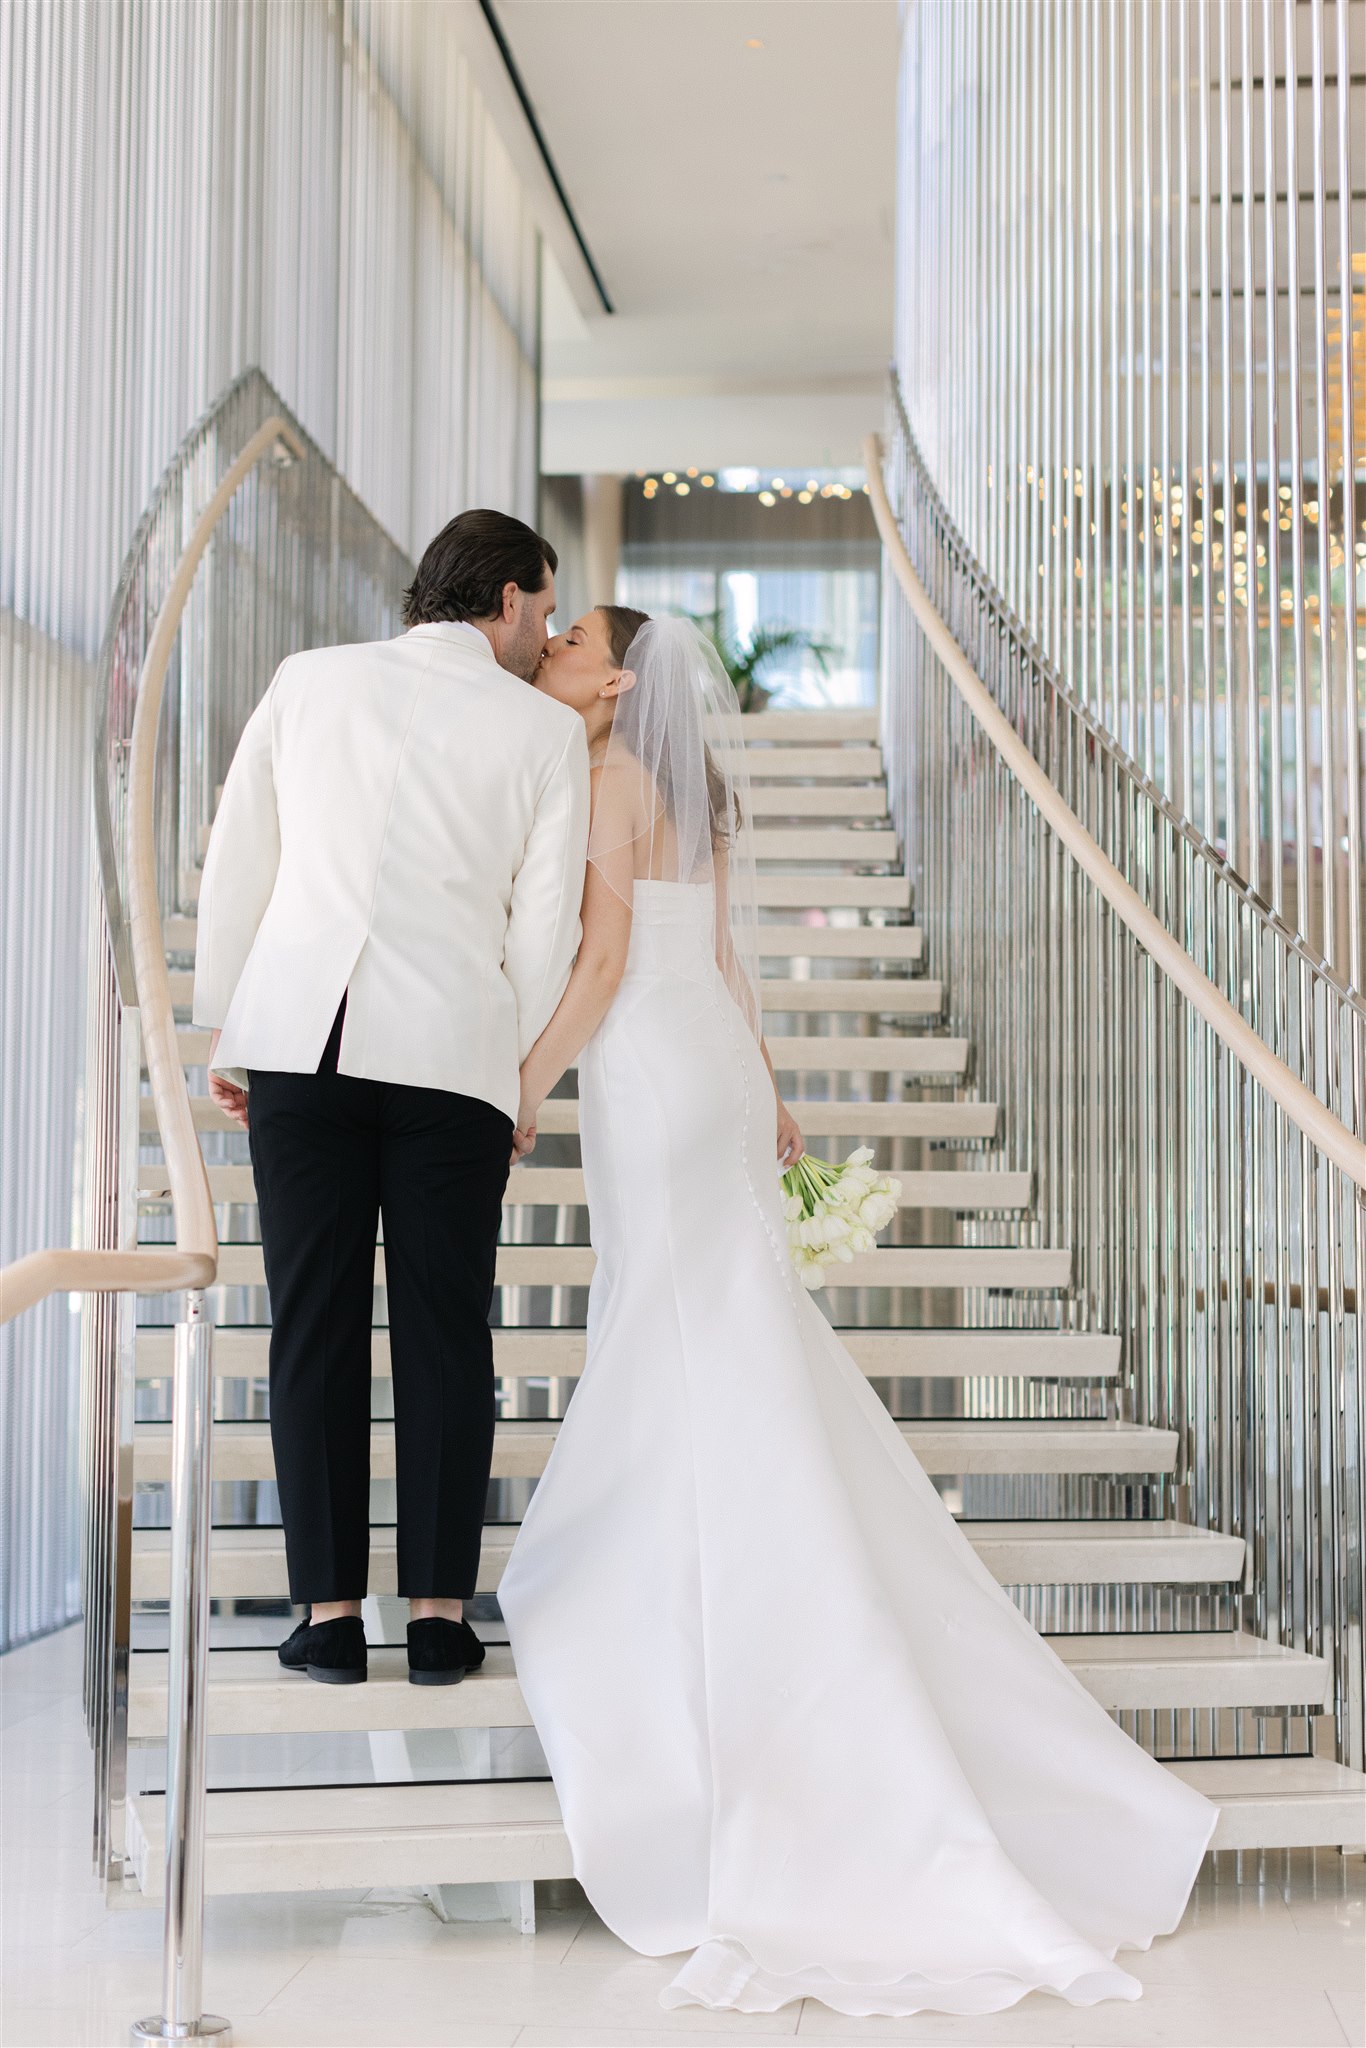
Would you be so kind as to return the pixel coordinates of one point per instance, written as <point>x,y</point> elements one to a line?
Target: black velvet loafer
<point>332,1652</point>
<point>440,1652</point>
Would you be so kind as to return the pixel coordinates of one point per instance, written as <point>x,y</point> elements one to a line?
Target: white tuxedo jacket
<point>404,823</point>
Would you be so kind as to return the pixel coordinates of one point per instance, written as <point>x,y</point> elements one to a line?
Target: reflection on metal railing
<point>1138,386</point>
<point>1226,1248</point>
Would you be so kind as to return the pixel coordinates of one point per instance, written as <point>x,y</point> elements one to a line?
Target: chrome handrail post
<point>182,2017</point>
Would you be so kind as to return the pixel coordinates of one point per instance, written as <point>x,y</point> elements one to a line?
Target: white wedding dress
<point>795,1726</point>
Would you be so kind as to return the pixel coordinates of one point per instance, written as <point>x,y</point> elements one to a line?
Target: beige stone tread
<point>249,1693</point>
<point>867,845</point>
<point>241,1450</point>
<point>827,800</point>
<point>803,1053</point>
<point>1132,1671</point>
<point>869,992</point>
<point>841,941</point>
<point>558,1187</point>
<point>832,1119</point>
<point>772,892</point>
<point>570,1265</point>
<point>883,996</point>
<point>819,1119</point>
<point>323,1837</point>
<point>828,803</point>
<point>242,1353</point>
<point>827,1053</point>
<point>248,1563</point>
<point>833,726</point>
<point>815,764</point>
<point>833,892</point>
<point>1288,1802</point>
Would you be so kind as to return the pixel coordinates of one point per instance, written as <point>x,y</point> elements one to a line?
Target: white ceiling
<point>738,204</point>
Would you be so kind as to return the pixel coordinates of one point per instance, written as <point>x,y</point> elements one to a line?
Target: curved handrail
<point>1301,1105</point>
<point>192,1261</point>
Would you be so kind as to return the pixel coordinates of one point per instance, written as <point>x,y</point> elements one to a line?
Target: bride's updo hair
<point>623,623</point>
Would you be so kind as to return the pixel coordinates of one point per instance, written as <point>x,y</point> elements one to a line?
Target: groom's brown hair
<point>463,572</point>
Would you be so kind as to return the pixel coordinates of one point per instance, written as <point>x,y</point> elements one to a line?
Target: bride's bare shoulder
<point>624,789</point>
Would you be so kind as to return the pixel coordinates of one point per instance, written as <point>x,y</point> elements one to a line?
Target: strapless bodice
<point>672,930</point>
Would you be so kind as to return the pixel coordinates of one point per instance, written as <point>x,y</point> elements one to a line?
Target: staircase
<point>1066,1501</point>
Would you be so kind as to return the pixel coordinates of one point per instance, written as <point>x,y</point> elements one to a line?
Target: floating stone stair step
<point>870,992</point>
<point>768,765</point>
<point>249,1694</point>
<point>243,1353</point>
<point>571,1265</point>
<point>823,842</point>
<point>772,892</point>
<point>836,727</point>
<point>813,1052</point>
<point>882,997</point>
<point>1205,1669</point>
<point>325,1837</point>
<point>837,1119</point>
<point>770,800</point>
<point>833,892</point>
<point>824,1053</point>
<point>249,1563</point>
<point>560,1187</point>
<point>1286,1802</point>
<point>840,942</point>
<point>242,1451</point>
<point>815,941</point>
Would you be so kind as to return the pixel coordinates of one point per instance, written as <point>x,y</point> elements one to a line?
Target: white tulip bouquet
<point>834,1212</point>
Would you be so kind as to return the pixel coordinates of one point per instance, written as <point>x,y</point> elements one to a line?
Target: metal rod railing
<point>1180,1071</point>
<point>192,1264</point>
<point>1344,1147</point>
<point>182,2016</point>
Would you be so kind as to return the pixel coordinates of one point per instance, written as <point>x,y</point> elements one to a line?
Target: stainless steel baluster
<point>182,2017</point>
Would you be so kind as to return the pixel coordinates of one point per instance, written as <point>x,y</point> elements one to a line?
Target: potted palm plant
<point>744,657</point>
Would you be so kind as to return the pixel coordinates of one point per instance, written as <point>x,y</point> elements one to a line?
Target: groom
<point>388,916</point>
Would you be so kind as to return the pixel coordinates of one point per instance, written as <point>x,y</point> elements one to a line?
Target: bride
<point>795,1726</point>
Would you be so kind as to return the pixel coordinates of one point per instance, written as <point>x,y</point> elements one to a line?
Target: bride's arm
<point>791,1143</point>
<point>597,974</point>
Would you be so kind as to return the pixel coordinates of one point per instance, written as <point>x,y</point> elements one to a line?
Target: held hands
<point>523,1142</point>
<point>524,1135</point>
<point>226,1094</point>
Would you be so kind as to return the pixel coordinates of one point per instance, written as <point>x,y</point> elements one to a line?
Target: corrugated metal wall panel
<point>187,190</point>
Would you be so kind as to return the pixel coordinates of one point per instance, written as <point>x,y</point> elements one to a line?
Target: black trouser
<point>331,1155</point>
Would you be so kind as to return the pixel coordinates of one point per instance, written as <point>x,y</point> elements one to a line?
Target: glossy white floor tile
<point>1278,1961</point>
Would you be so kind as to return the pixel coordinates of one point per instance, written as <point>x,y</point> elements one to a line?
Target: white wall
<point>188,188</point>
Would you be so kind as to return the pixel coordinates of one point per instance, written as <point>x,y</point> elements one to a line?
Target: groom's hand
<point>226,1095</point>
<point>229,1097</point>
